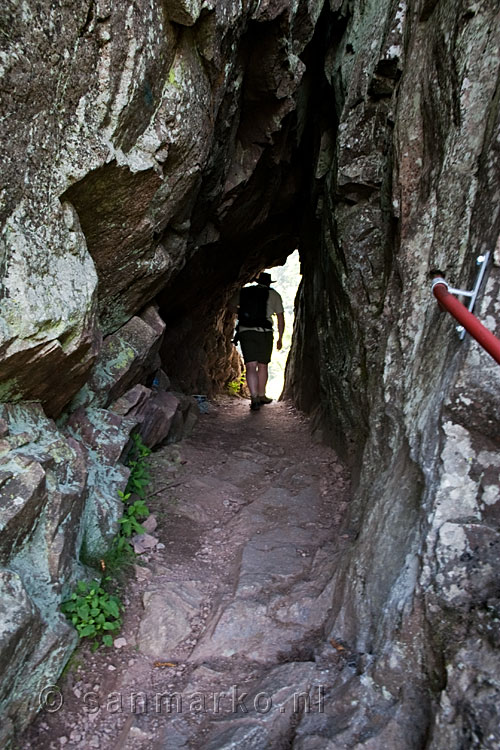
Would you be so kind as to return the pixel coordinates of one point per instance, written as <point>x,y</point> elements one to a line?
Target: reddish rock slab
<point>158,418</point>
<point>49,374</point>
<point>153,410</point>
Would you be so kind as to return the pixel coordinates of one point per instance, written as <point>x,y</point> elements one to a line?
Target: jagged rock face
<point>170,150</point>
<point>59,503</point>
<point>156,128</point>
<point>153,133</point>
<point>413,185</point>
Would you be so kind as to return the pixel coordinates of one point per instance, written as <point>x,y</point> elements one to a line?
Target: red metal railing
<point>483,336</point>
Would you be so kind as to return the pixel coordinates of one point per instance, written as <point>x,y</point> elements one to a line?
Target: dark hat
<point>265,278</point>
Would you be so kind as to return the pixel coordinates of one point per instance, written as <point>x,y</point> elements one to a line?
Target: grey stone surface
<point>269,558</point>
<point>105,437</point>
<point>158,150</point>
<point>47,552</point>
<point>23,494</point>
<point>267,712</point>
<point>32,653</point>
<point>209,492</point>
<point>18,615</point>
<point>48,313</point>
<point>276,607</point>
<point>245,628</point>
<point>393,387</point>
<point>166,621</point>
<point>176,735</point>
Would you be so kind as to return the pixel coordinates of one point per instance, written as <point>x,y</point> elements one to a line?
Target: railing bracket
<point>468,321</point>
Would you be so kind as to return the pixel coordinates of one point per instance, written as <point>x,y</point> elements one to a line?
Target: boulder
<point>38,448</point>
<point>184,419</point>
<point>23,493</point>
<point>154,411</point>
<point>159,417</point>
<point>102,432</point>
<point>135,400</point>
<point>33,650</point>
<point>20,631</point>
<point>127,357</point>
<point>48,318</point>
<point>105,437</point>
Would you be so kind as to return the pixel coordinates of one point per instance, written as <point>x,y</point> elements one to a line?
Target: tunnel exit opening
<point>268,212</point>
<point>287,280</point>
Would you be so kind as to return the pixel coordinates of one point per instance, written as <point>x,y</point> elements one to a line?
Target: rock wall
<point>148,150</point>
<point>412,184</point>
<point>162,154</point>
<point>59,503</point>
<point>151,133</point>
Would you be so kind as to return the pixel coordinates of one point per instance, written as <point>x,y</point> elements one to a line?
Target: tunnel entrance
<point>267,213</point>
<point>371,148</point>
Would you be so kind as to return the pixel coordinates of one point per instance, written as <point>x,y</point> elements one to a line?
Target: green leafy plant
<point>129,523</point>
<point>119,556</point>
<point>121,552</point>
<point>94,612</point>
<point>139,471</point>
<point>139,479</point>
<point>236,386</point>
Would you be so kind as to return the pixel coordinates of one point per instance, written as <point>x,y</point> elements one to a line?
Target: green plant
<point>128,522</point>
<point>139,478</point>
<point>121,552</point>
<point>119,556</point>
<point>139,471</point>
<point>236,386</point>
<point>94,613</point>
<point>233,387</point>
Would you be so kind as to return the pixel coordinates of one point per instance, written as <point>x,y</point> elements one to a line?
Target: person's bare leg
<point>262,375</point>
<point>252,378</point>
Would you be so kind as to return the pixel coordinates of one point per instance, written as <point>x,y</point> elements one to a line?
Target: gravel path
<point>223,643</point>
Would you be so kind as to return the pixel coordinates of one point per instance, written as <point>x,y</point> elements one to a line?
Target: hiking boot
<point>254,404</point>
<point>265,400</point>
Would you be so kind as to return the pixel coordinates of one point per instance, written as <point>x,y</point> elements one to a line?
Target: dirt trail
<point>224,640</point>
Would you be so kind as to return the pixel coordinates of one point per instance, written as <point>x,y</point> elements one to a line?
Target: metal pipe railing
<point>483,336</point>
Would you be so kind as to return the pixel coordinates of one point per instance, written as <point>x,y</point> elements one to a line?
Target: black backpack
<point>253,307</point>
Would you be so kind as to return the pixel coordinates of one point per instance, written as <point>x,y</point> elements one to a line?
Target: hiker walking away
<point>256,306</point>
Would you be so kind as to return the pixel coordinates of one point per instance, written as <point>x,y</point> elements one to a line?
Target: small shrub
<point>129,523</point>
<point>139,471</point>
<point>235,387</point>
<point>94,613</point>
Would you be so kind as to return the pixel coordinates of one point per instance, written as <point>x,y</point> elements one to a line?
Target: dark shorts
<point>257,346</point>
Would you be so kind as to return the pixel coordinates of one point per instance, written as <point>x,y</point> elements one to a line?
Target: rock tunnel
<point>162,155</point>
